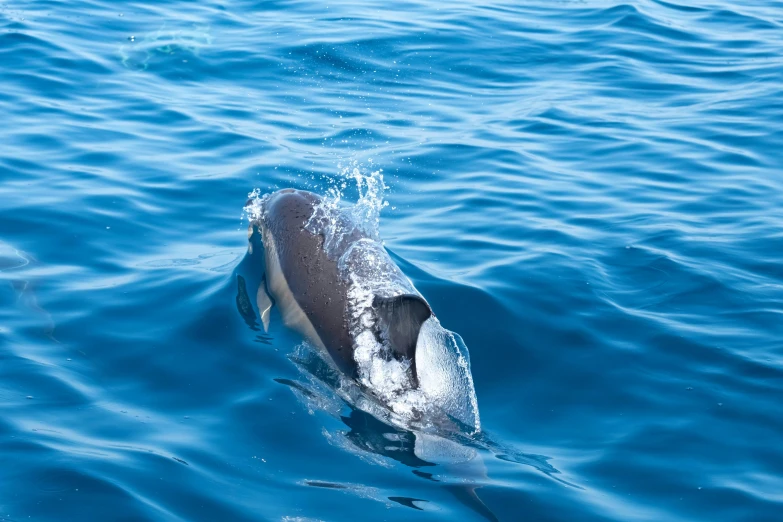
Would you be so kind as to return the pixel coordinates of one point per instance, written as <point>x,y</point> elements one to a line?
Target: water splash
<point>445,378</point>
<point>254,208</point>
<point>370,188</point>
<point>364,214</point>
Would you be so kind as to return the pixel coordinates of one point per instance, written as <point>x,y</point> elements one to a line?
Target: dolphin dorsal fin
<point>401,317</point>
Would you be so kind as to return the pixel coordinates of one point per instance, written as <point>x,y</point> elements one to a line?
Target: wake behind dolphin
<point>332,280</point>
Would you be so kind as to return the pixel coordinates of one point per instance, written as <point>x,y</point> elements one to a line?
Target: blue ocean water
<point>589,192</point>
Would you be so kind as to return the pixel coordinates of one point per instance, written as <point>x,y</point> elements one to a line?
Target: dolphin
<point>332,281</point>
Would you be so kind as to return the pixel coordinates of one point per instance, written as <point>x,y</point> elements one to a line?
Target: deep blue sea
<point>589,192</point>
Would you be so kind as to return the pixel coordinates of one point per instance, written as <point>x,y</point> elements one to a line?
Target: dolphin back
<point>311,275</point>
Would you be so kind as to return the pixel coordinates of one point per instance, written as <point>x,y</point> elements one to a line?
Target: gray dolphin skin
<point>303,279</point>
<point>334,283</point>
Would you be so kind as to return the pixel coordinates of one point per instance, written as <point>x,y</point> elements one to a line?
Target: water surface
<point>590,193</point>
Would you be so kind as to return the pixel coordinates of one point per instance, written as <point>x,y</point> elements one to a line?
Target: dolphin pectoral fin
<point>400,319</point>
<point>264,304</point>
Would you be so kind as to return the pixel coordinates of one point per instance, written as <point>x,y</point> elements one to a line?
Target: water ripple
<point>588,192</point>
